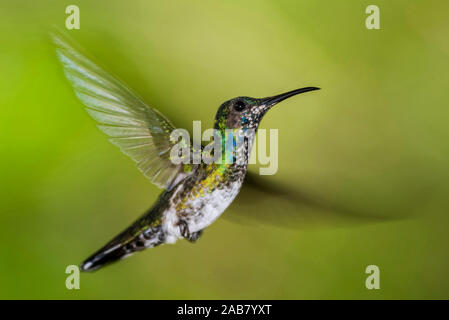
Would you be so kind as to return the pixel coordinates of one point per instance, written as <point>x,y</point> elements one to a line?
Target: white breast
<point>211,206</point>
<point>204,211</point>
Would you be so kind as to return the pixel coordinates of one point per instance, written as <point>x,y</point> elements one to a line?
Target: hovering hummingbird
<point>194,195</point>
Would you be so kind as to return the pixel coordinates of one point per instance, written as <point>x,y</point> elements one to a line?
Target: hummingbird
<point>194,195</point>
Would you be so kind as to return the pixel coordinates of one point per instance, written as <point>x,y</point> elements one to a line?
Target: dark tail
<point>144,233</point>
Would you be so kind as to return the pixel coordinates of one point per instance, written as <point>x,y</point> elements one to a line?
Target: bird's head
<point>246,112</point>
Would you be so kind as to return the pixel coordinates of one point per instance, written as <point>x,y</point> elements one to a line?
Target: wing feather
<point>141,132</point>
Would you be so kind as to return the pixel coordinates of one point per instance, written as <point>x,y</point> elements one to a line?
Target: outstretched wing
<point>140,132</point>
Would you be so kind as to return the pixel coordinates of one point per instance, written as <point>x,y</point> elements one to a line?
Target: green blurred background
<point>372,145</point>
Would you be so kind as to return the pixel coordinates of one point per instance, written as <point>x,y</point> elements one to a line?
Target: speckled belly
<point>199,211</point>
<point>207,209</point>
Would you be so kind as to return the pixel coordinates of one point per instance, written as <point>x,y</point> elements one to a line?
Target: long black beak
<point>271,101</point>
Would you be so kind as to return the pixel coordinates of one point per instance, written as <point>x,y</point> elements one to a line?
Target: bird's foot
<point>195,236</point>
<point>184,229</point>
<point>185,232</point>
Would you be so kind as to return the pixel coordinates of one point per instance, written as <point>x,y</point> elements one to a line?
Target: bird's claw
<point>185,232</point>
<point>195,236</point>
<point>184,228</point>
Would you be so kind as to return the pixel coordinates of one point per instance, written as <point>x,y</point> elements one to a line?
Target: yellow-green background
<point>373,144</point>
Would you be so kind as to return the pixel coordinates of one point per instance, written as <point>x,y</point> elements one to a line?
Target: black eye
<point>239,105</point>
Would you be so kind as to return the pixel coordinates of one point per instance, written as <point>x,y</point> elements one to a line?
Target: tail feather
<point>103,257</point>
<point>140,235</point>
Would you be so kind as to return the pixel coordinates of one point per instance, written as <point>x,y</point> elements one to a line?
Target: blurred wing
<point>293,206</point>
<point>139,131</point>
